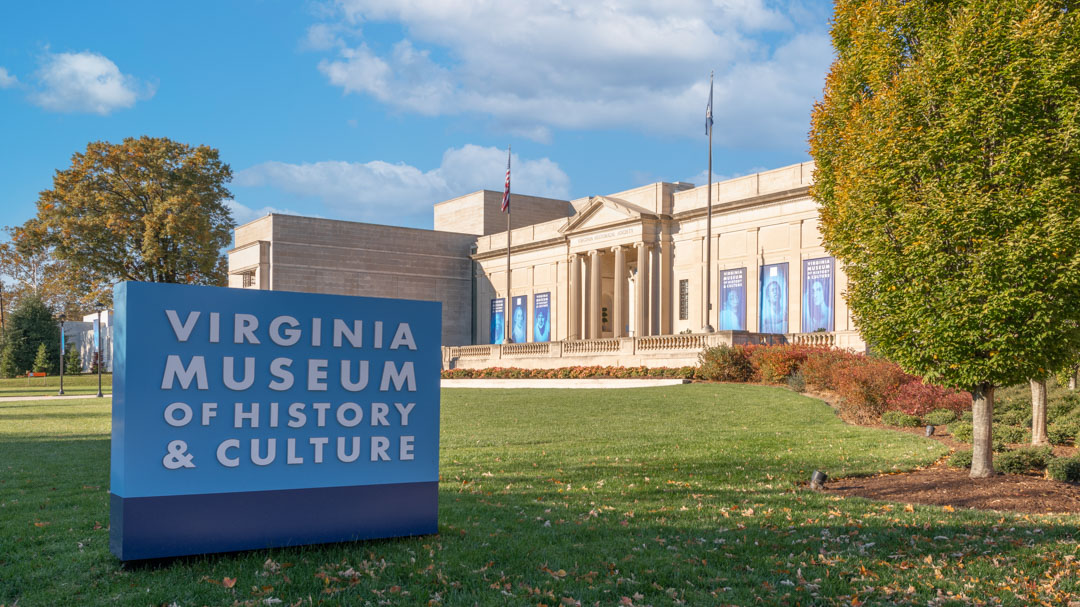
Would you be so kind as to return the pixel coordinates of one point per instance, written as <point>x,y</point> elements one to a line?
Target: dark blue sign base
<point>178,525</point>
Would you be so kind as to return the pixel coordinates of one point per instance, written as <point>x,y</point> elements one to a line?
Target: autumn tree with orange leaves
<point>148,209</point>
<point>948,173</point>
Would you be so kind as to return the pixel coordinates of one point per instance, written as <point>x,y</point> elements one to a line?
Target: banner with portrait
<point>498,320</point>
<point>542,317</point>
<point>817,294</point>
<point>518,317</point>
<point>773,299</point>
<point>733,300</point>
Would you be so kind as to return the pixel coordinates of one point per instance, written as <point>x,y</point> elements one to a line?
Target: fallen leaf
<point>228,582</point>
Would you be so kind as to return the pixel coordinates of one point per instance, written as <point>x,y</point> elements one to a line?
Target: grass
<point>48,386</point>
<point>656,496</point>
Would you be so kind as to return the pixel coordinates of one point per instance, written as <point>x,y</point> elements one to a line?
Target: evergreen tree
<point>31,324</point>
<point>8,368</point>
<point>41,361</point>
<point>72,361</point>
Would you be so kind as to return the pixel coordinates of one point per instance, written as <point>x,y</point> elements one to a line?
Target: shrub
<point>865,385</point>
<point>1059,410</point>
<point>1013,417</point>
<point>1065,469</point>
<point>1062,433</point>
<point>916,398</point>
<point>966,416</point>
<point>72,361</point>
<point>961,431</point>
<point>960,459</point>
<point>725,363</point>
<point>774,364</point>
<point>1020,461</point>
<point>1012,434</point>
<point>796,382</point>
<point>939,417</point>
<point>819,368</point>
<point>897,418</point>
<point>41,361</point>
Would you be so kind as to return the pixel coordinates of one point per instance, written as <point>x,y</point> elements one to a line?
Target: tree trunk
<point>1038,412</point>
<point>1072,378</point>
<point>982,411</point>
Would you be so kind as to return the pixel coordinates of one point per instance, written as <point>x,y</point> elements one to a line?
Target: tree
<point>72,361</point>
<point>30,326</point>
<point>147,209</point>
<point>36,272</point>
<point>948,173</point>
<point>41,360</point>
<point>1038,412</point>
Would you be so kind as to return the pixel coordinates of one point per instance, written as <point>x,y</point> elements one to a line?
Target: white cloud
<point>242,214</point>
<point>401,194</point>
<point>86,82</point>
<point>533,66</point>
<point>7,80</point>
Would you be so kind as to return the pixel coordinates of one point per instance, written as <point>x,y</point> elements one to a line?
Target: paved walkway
<point>560,383</point>
<point>12,399</point>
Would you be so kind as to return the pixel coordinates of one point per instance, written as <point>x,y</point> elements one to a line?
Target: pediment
<point>605,210</point>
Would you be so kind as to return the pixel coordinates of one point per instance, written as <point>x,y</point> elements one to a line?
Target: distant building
<point>628,264</point>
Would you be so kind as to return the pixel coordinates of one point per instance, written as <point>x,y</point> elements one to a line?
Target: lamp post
<point>62,344</point>
<point>99,352</point>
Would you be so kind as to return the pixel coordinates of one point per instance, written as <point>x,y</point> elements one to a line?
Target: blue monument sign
<point>249,419</point>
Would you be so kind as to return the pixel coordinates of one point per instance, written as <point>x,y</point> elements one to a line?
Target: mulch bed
<point>940,485</point>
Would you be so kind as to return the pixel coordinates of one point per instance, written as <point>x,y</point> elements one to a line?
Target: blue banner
<point>733,300</point>
<point>498,320</point>
<point>518,316</point>
<point>817,285</point>
<point>240,416</point>
<point>773,306</point>
<point>542,317</point>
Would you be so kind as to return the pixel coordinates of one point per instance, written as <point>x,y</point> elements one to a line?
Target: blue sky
<point>373,111</point>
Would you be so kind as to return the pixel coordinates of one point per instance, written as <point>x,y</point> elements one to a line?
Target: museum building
<point>621,275</point>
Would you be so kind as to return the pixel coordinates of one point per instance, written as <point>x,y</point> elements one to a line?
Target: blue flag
<point>708,109</point>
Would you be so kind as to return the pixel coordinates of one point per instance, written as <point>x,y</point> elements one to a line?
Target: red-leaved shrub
<point>917,398</point>
<point>774,364</point>
<point>866,384</point>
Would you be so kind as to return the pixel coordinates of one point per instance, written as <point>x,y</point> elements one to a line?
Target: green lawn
<point>48,386</point>
<point>686,495</point>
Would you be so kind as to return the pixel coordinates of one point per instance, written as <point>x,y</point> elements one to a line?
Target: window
<point>684,299</point>
<point>248,278</point>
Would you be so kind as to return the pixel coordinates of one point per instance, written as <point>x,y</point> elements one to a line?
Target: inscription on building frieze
<point>603,236</point>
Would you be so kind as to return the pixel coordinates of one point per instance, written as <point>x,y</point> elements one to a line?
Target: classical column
<point>667,290</point>
<point>595,302</point>
<point>574,313</point>
<point>617,322</point>
<point>640,292</point>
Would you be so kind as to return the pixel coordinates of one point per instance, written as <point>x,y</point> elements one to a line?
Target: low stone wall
<point>653,351</point>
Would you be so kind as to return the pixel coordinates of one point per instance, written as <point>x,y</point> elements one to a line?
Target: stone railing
<point>468,351</point>
<point>529,349</point>
<point>591,346</point>
<point>655,350</point>
<point>819,338</point>
<point>686,341</point>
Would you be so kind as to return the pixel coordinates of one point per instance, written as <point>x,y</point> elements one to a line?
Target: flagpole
<point>506,306</point>
<point>708,222</point>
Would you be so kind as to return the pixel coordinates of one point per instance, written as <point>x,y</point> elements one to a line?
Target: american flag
<point>506,191</point>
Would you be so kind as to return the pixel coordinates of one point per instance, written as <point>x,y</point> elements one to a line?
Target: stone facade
<point>625,265</point>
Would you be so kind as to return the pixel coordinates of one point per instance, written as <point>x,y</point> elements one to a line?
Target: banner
<point>817,286</point>
<point>773,299</point>
<point>247,419</point>
<point>518,315</point>
<point>542,317</point>
<point>97,339</point>
<point>733,300</point>
<point>498,320</point>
